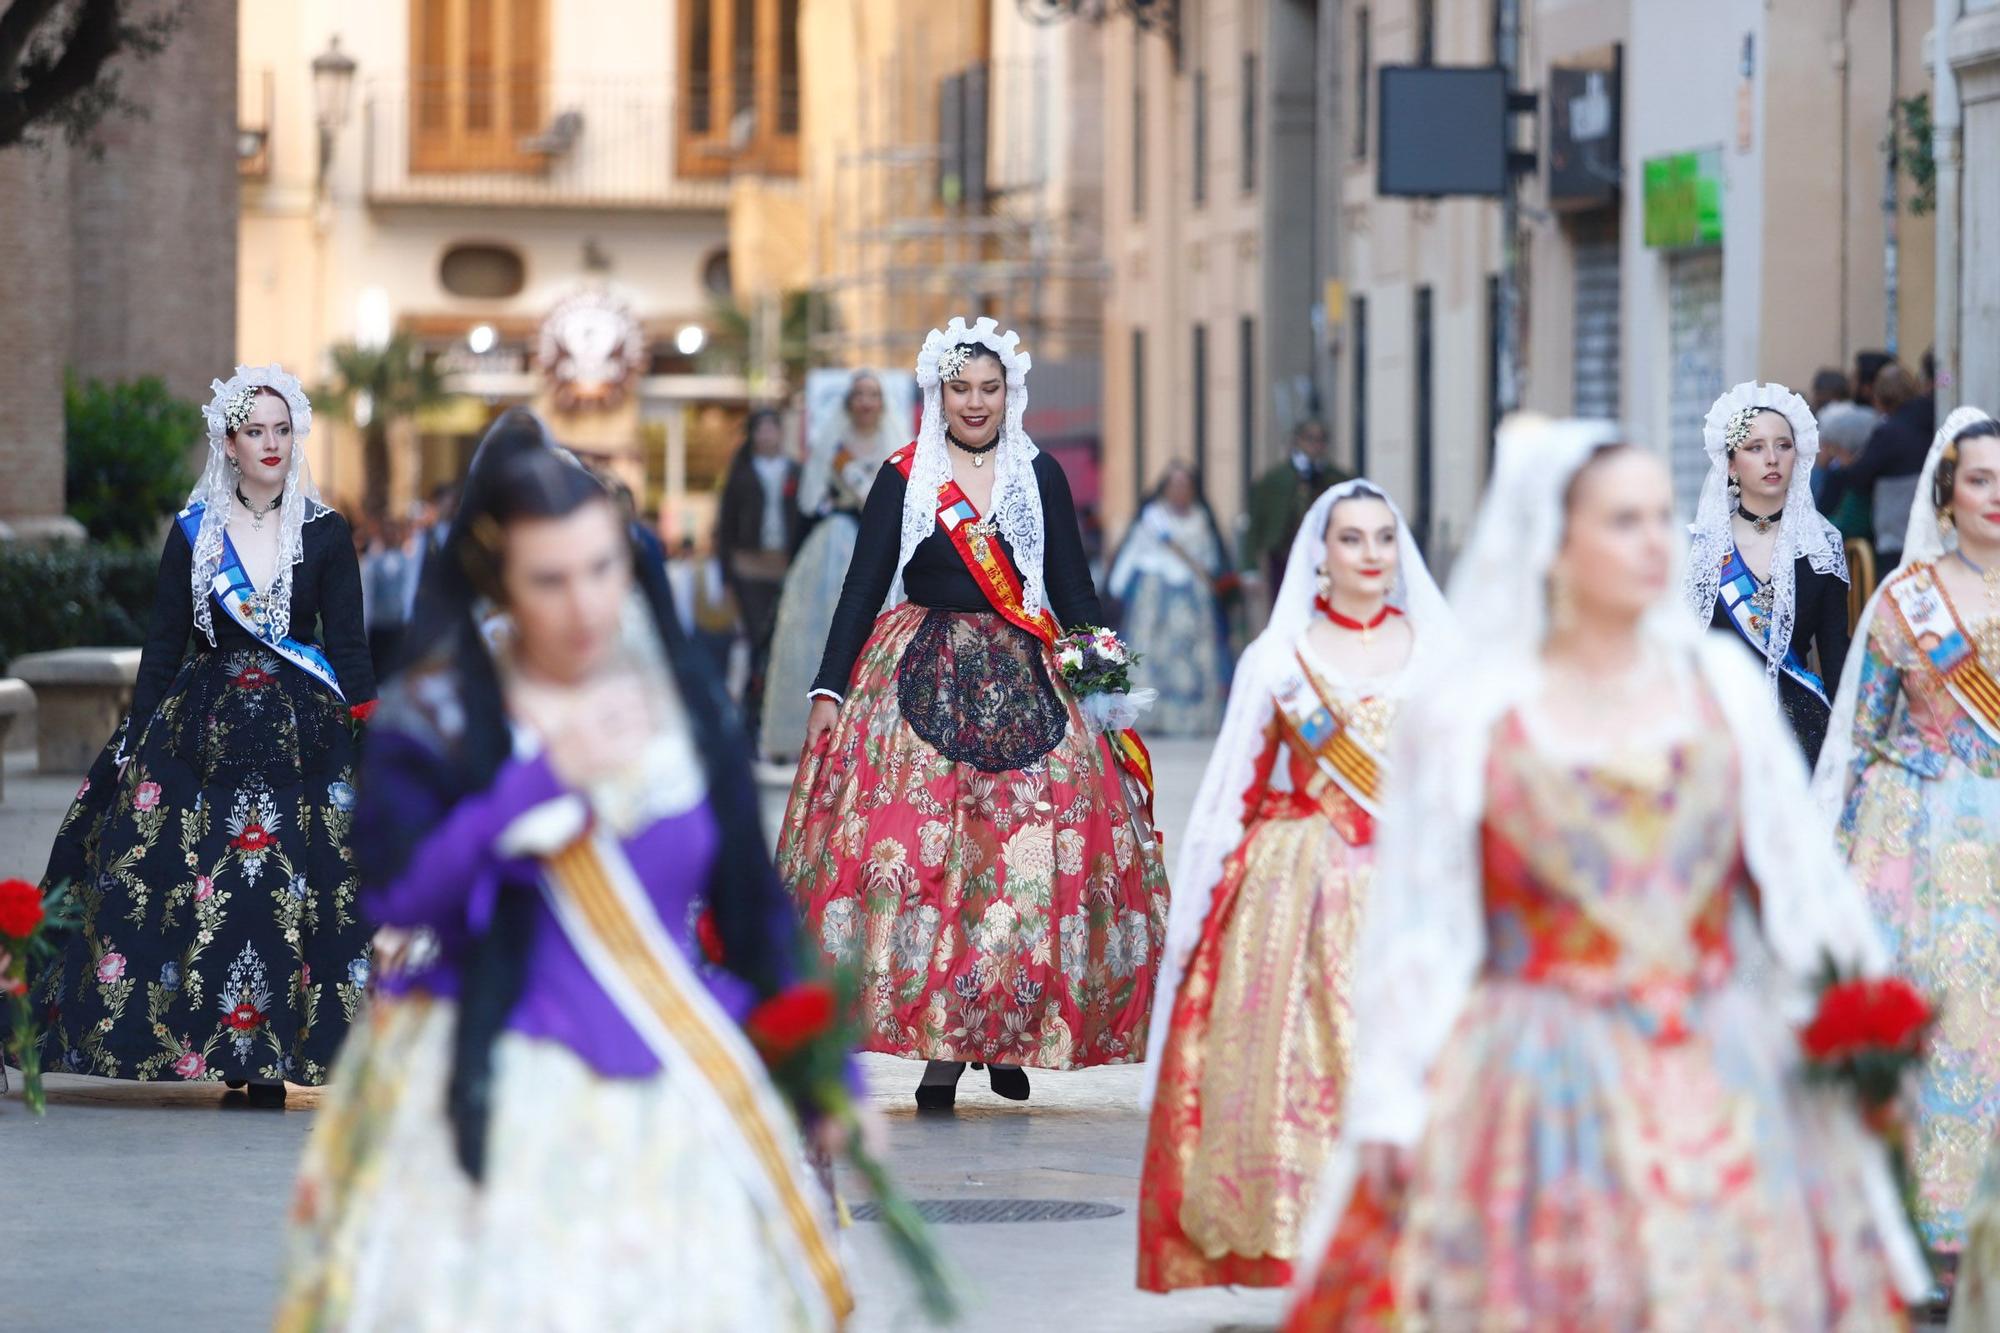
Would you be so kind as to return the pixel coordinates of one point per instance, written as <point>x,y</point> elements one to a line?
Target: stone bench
<point>17,700</point>
<point>81,694</point>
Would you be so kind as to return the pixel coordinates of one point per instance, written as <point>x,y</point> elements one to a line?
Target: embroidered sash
<point>596,896</point>
<point>237,595</point>
<point>1935,630</point>
<point>1738,591</point>
<point>1324,737</point>
<point>994,572</point>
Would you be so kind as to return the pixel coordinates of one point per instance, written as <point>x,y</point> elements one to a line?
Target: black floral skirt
<point>216,885</point>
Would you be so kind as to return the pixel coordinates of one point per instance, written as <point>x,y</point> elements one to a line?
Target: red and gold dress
<point>1253,1069</point>
<point>1617,1139</point>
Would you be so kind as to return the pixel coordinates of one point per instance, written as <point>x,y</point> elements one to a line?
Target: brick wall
<point>125,264</point>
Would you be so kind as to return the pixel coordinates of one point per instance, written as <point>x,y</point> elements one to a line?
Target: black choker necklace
<point>978,451</point>
<point>1758,521</point>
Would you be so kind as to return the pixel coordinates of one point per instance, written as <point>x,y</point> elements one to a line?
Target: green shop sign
<point>1684,199</point>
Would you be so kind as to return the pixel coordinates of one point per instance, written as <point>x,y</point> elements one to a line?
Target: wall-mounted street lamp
<point>333,89</point>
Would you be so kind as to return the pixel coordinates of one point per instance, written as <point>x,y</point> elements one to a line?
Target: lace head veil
<point>215,492</point>
<point>1216,826</point>
<point>1017,501</point>
<point>1924,540</point>
<point>816,473</point>
<point>1802,529</point>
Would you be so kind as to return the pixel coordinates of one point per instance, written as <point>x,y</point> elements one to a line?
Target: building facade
<point>542,198</point>
<point>1965,64</point>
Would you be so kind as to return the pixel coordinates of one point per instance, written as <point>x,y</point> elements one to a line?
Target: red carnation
<point>1854,1016</point>
<point>708,935</point>
<point>20,908</point>
<point>791,1019</point>
<point>361,712</point>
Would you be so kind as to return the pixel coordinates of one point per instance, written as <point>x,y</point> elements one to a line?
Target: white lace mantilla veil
<point>1017,501</point>
<point>216,493</point>
<point>816,473</point>
<point>1924,540</point>
<point>1216,826</point>
<point>1423,936</point>
<point>1802,529</point>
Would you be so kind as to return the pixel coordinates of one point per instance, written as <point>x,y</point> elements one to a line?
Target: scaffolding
<point>996,214</point>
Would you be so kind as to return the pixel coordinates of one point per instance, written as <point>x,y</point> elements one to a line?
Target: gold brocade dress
<point>1254,1069</point>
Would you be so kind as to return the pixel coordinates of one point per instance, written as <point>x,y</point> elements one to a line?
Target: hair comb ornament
<point>237,410</point>
<point>952,362</point>
<point>1739,428</point>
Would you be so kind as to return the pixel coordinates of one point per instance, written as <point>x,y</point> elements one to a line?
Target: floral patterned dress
<point>1616,1138</point>
<point>1254,1070</point>
<point>215,879</point>
<point>963,841</point>
<point>1921,831</point>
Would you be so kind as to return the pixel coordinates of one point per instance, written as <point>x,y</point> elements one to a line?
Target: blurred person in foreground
<point>1281,497</point>
<point>551,1117</point>
<point>1167,575</point>
<point>1252,1024</point>
<point>1578,1101</point>
<point>758,527</point>
<point>210,848</point>
<point>1911,778</point>
<point>841,462</point>
<point>963,829</point>
<point>1762,561</point>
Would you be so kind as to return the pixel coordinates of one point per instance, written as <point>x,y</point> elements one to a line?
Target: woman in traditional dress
<point>1252,1025</point>
<point>1576,1102</point>
<point>1911,771</point>
<point>209,848</point>
<point>958,832</point>
<point>1765,564</point>
<point>1165,575</point>
<point>840,467</point>
<point>552,1118</point>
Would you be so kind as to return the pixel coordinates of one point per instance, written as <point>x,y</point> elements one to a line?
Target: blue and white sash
<point>232,589</point>
<point>1738,590</point>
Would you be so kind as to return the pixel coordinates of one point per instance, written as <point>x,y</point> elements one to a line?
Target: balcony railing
<point>547,145</point>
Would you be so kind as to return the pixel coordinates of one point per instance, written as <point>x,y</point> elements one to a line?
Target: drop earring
<point>1735,488</point>
<point>1323,581</point>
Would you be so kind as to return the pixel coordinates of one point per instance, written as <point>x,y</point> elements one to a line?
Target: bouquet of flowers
<point>1868,1034</point>
<point>804,1042</point>
<point>1097,666</point>
<point>28,922</point>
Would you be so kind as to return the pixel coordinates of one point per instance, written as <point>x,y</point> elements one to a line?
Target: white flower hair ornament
<point>232,400</point>
<point>946,352</point>
<point>1728,422</point>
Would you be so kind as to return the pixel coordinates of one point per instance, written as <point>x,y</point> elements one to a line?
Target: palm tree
<point>393,381</point>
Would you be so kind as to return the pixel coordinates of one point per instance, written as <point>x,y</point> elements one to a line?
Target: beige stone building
<point>1766,121</point>
<point>120,263</point>
<point>1216,132</point>
<point>1965,61</point>
<point>546,198</point>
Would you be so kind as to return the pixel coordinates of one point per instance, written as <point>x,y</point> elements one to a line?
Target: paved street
<point>161,1208</point>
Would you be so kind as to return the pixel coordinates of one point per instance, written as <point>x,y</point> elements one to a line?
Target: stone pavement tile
<point>34,805</point>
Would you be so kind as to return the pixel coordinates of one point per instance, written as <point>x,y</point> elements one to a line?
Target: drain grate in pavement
<point>945,1211</point>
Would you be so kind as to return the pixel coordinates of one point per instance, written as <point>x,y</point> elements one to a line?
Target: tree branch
<point>97,36</point>
<point>17,27</point>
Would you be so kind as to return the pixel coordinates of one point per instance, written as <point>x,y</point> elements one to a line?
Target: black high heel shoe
<point>1009,1081</point>
<point>937,1096</point>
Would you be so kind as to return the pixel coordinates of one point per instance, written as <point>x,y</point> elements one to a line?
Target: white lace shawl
<point>216,493</point>
<point>1423,936</point>
<point>1216,826</point>
<point>816,473</point>
<point>1017,501</point>
<point>1924,541</point>
<point>1145,550</point>
<point>1802,529</point>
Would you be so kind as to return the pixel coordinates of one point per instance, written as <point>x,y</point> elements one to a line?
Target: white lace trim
<point>816,473</point>
<point>215,492</point>
<point>1017,501</point>
<point>1802,529</point>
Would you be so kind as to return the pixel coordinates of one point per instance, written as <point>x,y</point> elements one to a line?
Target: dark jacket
<point>739,520</point>
<point>326,611</point>
<point>1896,448</point>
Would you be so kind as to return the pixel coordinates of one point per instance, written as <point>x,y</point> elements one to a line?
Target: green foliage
<point>735,342</point>
<point>1910,133</point>
<point>396,380</point>
<point>127,457</point>
<point>73,596</point>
